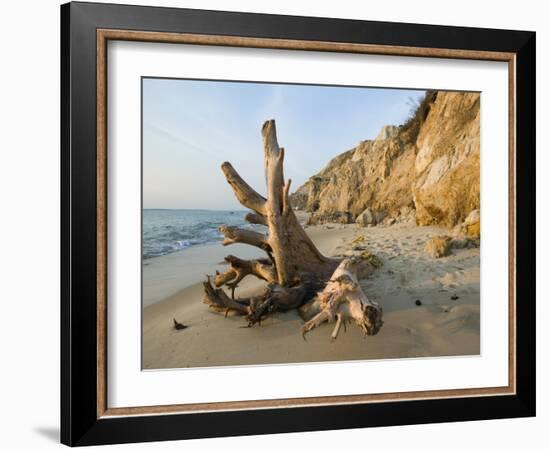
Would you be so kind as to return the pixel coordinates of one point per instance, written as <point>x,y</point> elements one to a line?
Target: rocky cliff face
<point>426,170</point>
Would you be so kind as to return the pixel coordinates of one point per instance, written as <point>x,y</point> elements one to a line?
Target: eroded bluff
<point>426,170</point>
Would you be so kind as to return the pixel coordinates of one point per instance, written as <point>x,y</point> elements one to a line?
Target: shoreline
<point>440,327</point>
<point>166,275</point>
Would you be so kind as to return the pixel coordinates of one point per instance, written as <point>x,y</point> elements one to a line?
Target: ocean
<point>169,230</point>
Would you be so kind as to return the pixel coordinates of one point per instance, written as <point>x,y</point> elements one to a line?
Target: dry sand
<point>441,326</point>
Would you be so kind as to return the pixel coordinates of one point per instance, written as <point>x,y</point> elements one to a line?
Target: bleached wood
<point>246,195</point>
<point>234,234</point>
<point>343,299</point>
<point>256,219</point>
<point>239,269</point>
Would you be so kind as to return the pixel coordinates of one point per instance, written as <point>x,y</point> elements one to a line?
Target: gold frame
<point>103,36</point>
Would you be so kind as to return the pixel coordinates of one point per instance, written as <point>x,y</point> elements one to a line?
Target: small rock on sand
<point>438,246</point>
<point>365,218</point>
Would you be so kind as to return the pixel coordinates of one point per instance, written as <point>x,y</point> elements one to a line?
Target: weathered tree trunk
<point>342,300</point>
<point>295,270</point>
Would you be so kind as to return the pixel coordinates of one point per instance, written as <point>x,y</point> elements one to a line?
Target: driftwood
<point>297,274</point>
<point>179,326</point>
<point>342,300</point>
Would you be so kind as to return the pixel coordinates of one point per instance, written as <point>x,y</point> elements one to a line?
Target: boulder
<point>438,246</point>
<point>472,225</point>
<point>366,218</point>
<point>380,216</point>
<point>469,229</point>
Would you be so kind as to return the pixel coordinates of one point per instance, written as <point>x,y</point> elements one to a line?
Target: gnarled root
<point>342,299</point>
<point>218,299</point>
<point>239,269</point>
<point>276,299</point>
<point>256,308</point>
<point>233,234</point>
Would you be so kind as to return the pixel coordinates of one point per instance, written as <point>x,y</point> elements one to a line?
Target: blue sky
<point>191,127</point>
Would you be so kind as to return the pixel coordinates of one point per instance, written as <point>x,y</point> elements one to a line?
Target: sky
<point>190,127</point>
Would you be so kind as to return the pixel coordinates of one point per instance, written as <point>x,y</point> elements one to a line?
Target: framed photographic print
<point>281,224</point>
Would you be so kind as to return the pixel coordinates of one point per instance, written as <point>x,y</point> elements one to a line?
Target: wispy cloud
<point>193,126</point>
<point>178,140</point>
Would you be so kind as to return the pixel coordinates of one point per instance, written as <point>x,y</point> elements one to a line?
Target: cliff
<point>426,170</point>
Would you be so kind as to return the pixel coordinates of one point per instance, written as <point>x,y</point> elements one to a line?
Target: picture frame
<point>86,28</point>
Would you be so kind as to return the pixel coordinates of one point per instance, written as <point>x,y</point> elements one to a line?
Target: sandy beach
<point>440,326</point>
